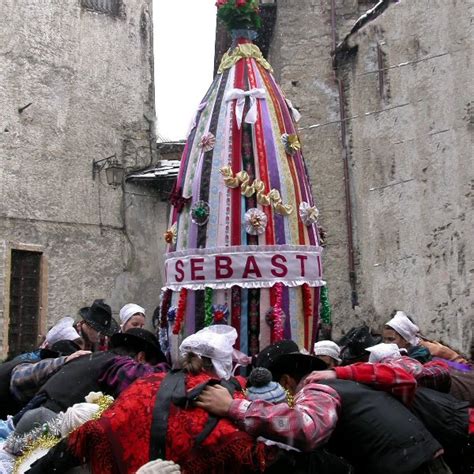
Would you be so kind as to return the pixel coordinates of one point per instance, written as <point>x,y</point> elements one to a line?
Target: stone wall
<point>408,166</point>
<point>88,75</point>
<point>408,85</point>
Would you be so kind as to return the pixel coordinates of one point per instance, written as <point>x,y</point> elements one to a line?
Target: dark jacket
<point>74,381</point>
<point>377,434</point>
<point>8,404</point>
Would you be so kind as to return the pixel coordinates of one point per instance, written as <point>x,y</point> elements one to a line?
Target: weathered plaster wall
<point>411,246</point>
<point>89,79</point>
<point>411,165</point>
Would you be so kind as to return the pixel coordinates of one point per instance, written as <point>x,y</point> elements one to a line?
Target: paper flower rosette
<point>236,206</point>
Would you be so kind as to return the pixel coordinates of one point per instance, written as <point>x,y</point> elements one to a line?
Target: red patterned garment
<point>119,441</point>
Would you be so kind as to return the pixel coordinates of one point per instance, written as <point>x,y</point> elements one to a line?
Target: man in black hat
<point>369,428</point>
<point>96,320</point>
<point>354,344</point>
<point>308,418</point>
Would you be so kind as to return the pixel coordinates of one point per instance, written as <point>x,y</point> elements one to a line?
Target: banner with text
<point>244,266</point>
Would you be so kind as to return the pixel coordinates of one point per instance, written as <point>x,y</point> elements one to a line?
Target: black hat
<point>140,339</point>
<point>99,317</point>
<point>60,348</point>
<point>284,356</point>
<point>355,343</point>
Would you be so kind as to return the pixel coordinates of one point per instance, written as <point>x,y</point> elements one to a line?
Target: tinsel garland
<point>277,328</point>
<point>19,444</point>
<point>180,311</point>
<point>208,316</point>
<point>47,435</point>
<point>46,441</point>
<point>104,402</point>
<point>307,309</point>
<point>326,309</point>
<point>165,306</point>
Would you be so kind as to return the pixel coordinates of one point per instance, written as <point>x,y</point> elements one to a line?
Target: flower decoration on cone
<point>207,141</point>
<point>239,14</point>
<point>255,221</point>
<point>171,315</point>
<point>291,142</point>
<point>200,213</point>
<point>171,234</point>
<point>308,214</point>
<point>220,313</point>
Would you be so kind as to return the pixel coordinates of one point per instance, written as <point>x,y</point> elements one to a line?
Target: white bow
<point>296,115</point>
<point>239,95</point>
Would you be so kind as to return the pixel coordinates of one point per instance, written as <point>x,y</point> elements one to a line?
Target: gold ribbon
<point>242,179</point>
<point>246,50</point>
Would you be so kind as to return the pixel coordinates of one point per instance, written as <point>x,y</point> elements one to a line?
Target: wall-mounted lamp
<point>114,171</point>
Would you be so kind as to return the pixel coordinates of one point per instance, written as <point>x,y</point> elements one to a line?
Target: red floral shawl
<point>118,442</point>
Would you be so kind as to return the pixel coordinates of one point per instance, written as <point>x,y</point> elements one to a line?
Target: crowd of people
<point>104,396</point>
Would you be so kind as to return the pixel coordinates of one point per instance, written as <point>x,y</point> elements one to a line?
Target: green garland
<point>240,16</point>
<point>208,316</point>
<point>326,309</point>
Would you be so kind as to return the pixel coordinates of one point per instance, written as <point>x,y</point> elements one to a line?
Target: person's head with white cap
<point>63,330</point>
<point>383,351</point>
<point>329,352</point>
<point>400,330</point>
<point>209,350</point>
<point>131,316</point>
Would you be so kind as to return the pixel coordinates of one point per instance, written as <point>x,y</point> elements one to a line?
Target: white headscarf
<point>382,351</point>
<point>401,324</point>
<point>63,330</point>
<point>216,343</point>
<point>327,348</point>
<point>128,311</point>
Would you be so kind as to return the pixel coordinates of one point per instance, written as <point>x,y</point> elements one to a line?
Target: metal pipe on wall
<point>345,158</point>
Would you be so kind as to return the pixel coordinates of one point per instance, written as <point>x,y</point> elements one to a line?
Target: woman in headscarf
<point>131,316</point>
<point>403,332</point>
<point>155,418</point>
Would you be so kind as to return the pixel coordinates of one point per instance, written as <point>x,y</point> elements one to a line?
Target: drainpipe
<point>345,159</point>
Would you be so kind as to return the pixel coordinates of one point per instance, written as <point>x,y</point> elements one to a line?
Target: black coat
<point>378,434</point>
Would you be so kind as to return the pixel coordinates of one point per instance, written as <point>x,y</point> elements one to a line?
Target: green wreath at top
<point>239,14</point>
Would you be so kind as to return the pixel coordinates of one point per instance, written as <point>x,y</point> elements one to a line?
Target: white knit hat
<point>401,324</point>
<point>128,311</point>
<point>382,351</point>
<point>215,342</point>
<point>63,330</point>
<point>327,348</point>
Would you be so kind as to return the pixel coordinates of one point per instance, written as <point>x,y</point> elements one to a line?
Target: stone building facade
<point>385,90</point>
<point>76,86</point>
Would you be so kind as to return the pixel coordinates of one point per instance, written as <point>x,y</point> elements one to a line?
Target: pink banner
<point>245,266</point>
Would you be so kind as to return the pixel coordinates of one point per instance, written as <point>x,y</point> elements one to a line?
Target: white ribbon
<point>296,115</point>
<point>239,96</point>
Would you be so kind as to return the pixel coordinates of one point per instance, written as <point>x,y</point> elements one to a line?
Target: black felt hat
<point>140,339</point>
<point>355,343</point>
<point>99,317</point>
<point>285,357</point>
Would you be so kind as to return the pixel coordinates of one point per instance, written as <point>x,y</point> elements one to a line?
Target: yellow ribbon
<point>246,50</point>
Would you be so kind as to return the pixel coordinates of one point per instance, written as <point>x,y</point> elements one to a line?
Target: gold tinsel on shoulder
<point>104,402</point>
<point>48,441</point>
<point>246,50</point>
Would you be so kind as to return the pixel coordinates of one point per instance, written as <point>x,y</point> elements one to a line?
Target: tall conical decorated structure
<point>243,243</point>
